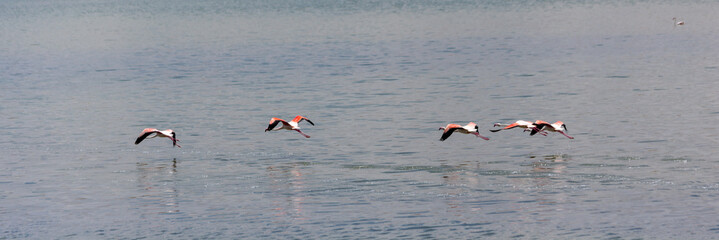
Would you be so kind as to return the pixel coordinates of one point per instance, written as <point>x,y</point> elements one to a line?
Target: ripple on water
<point>618,76</point>
<point>510,97</point>
<point>652,141</point>
<point>498,172</point>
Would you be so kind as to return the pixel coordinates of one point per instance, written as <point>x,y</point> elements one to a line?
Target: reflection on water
<point>157,188</point>
<point>457,181</point>
<point>551,164</point>
<point>287,184</point>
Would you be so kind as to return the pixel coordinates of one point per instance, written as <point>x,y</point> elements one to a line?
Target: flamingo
<point>157,133</point>
<point>522,124</point>
<point>558,126</point>
<point>291,125</point>
<point>470,128</point>
<point>677,22</point>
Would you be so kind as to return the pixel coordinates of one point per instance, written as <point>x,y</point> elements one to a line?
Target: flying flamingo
<point>470,128</point>
<point>157,133</point>
<point>291,125</point>
<point>558,126</point>
<point>522,124</point>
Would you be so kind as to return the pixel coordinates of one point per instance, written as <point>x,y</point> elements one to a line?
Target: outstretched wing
<point>309,121</point>
<point>447,133</point>
<point>273,123</point>
<point>510,126</point>
<point>144,135</point>
<point>534,131</point>
<point>299,119</point>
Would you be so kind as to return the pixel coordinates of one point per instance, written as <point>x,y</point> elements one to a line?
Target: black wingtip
<point>142,137</point>
<point>446,134</point>
<point>272,125</point>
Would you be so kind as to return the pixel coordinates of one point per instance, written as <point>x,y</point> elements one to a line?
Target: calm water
<point>81,79</point>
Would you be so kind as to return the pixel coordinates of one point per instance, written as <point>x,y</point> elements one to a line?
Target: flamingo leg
<point>174,142</point>
<point>480,136</point>
<point>541,131</point>
<point>303,134</point>
<point>565,135</point>
<point>483,137</point>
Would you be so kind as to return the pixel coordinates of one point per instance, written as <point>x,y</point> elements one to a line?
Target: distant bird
<point>153,133</point>
<point>558,126</point>
<point>528,126</point>
<point>291,125</point>
<point>470,128</point>
<point>677,22</point>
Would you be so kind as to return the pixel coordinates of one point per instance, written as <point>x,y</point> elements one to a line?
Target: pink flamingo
<point>157,133</point>
<point>470,128</point>
<point>558,126</point>
<point>522,124</point>
<point>291,125</point>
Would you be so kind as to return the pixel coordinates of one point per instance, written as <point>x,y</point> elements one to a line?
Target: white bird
<point>291,125</point>
<point>148,133</point>
<point>470,128</point>
<point>677,22</point>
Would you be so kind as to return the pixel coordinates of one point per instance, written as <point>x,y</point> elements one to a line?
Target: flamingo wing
<point>471,126</point>
<point>534,131</point>
<point>274,122</point>
<point>447,133</point>
<point>299,119</point>
<point>144,135</point>
<point>543,125</point>
<point>309,121</point>
<point>510,126</point>
<point>539,127</point>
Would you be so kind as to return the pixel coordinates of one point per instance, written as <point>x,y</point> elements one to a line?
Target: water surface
<point>80,80</point>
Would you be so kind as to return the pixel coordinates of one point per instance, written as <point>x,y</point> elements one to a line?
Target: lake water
<point>81,79</point>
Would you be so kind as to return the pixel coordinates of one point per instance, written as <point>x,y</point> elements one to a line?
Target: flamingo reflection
<point>152,181</point>
<point>288,182</point>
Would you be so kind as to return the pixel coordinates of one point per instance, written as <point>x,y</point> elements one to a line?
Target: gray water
<point>79,80</point>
